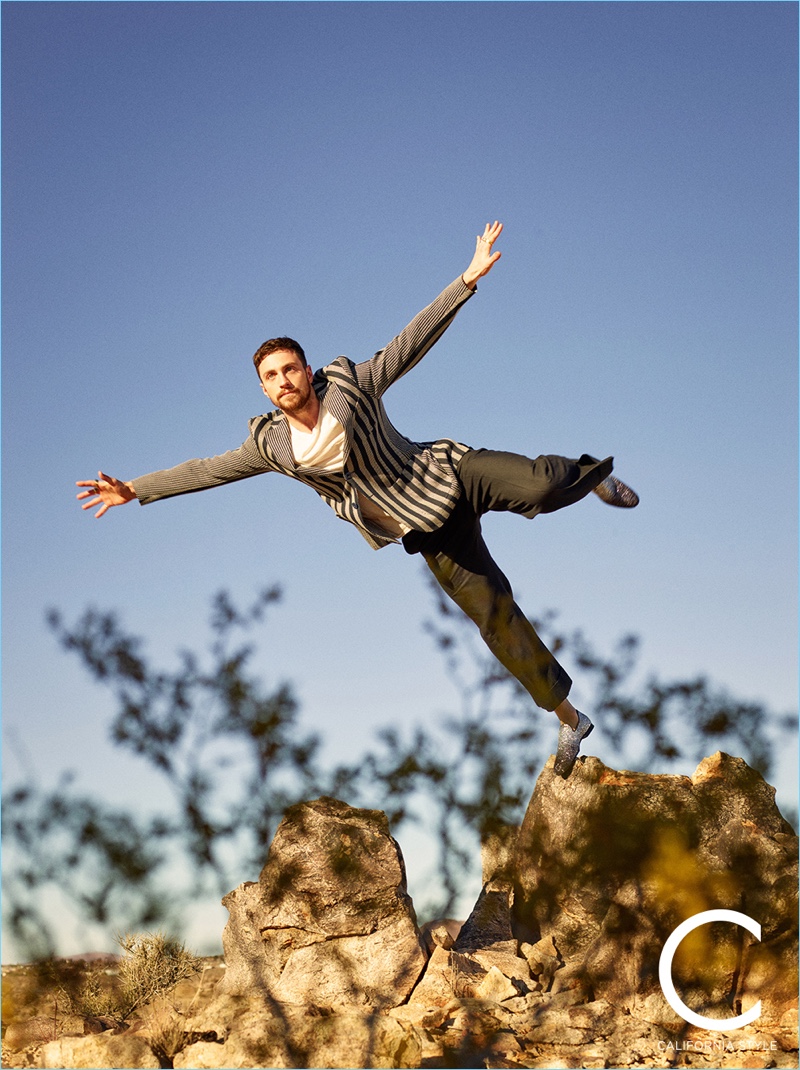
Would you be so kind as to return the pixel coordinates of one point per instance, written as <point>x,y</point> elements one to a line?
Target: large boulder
<point>329,922</point>
<point>608,863</point>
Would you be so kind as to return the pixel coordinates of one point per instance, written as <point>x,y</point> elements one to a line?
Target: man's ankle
<point>567,714</point>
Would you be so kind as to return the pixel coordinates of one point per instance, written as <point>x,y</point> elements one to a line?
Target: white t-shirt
<point>323,447</point>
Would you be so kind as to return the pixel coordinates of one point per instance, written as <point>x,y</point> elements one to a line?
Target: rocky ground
<point>491,1029</point>
<point>557,965</point>
<point>36,1011</point>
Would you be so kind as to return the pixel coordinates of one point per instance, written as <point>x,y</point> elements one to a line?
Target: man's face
<point>285,381</point>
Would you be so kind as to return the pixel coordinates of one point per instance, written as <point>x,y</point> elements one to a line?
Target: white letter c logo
<point>665,969</point>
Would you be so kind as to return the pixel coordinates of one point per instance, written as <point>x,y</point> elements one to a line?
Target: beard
<point>295,401</point>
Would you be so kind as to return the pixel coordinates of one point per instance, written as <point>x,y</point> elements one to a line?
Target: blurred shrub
<point>233,755</point>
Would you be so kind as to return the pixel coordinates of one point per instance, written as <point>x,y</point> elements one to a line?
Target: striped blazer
<point>415,482</point>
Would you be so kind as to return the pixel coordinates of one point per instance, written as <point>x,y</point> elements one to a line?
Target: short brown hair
<point>272,345</point>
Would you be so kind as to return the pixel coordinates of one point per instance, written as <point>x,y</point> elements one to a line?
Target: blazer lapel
<point>279,443</point>
<point>271,434</point>
<point>336,404</point>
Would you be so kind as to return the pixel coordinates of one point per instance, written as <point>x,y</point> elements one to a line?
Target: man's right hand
<point>105,492</point>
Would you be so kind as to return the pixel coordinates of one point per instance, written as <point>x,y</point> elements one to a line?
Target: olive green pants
<point>460,560</point>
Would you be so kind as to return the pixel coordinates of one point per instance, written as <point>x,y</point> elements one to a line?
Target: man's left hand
<point>484,259</point>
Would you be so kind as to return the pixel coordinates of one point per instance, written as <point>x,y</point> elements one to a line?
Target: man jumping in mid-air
<point>330,431</point>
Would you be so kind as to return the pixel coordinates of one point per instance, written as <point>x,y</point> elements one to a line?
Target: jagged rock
<point>329,921</point>
<point>489,924</point>
<point>246,960</point>
<point>452,975</point>
<point>543,960</point>
<point>496,986</point>
<point>448,975</point>
<point>608,864</point>
<point>443,932</point>
<point>512,966</point>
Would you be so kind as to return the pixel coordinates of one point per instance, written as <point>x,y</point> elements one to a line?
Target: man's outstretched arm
<point>105,492</point>
<point>186,478</point>
<point>410,346</point>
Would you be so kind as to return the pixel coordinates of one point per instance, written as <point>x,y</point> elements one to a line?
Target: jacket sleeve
<point>201,474</point>
<point>410,346</point>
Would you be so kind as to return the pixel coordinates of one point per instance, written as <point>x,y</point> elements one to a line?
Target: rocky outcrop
<point>608,863</point>
<point>557,964</point>
<point>330,921</point>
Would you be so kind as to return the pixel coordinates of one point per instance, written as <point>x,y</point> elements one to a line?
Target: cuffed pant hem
<point>558,693</point>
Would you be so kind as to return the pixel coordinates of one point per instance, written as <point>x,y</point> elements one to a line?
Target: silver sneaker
<point>569,743</point>
<point>614,492</point>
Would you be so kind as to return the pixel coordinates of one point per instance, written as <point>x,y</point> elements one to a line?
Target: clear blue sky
<point>184,180</point>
